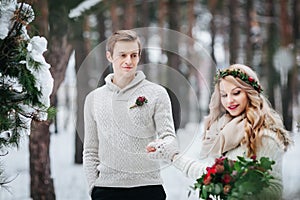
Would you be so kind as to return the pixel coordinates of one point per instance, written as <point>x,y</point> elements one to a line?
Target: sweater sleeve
<point>190,167</point>
<point>90,146</point>
<point>163,115</point>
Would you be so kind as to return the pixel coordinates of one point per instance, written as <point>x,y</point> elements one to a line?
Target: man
<point>120,119</point>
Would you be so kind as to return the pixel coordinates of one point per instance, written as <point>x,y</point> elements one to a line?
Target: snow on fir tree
<point>25,80</point>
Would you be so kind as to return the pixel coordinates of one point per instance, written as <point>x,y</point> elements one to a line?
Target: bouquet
<point>235,179</point>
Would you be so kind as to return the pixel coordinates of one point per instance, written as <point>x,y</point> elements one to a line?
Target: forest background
<point>184,40</point>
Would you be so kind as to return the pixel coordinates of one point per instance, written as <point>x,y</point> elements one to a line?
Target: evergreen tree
<point>25,80</point>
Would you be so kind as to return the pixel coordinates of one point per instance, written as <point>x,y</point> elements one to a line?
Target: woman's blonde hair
<point>259,113</point>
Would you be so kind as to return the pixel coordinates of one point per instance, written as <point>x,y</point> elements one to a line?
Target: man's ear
<point>108,56</point>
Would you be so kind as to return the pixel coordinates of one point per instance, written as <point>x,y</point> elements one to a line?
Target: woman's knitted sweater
<point>116,135</point>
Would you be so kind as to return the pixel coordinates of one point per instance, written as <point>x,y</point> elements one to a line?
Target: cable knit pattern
<point>116,136</point>
<point>271,147</point>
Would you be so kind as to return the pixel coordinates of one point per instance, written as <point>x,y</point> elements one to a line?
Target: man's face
<point>124,59</point>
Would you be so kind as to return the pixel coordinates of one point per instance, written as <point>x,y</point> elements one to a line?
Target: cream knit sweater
<point>116,136</point>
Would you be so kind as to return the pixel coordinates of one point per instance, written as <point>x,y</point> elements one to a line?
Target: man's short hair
<point>122,35</point>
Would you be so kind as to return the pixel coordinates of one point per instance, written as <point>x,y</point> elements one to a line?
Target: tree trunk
<point>250,14</point>
<point>269,51</point>
<point>296,34</point>
<point>180,118</point>
<point>234,39</point>
<point>82,48</point>
<point>101,30</point>
<point>161,13</point>
<point>130,19</point>
<point>145,23</point>
<point>41,184</point>
<point>212,7</point>
<point>114,16</point>
<point>286,90</point>
<point>40,136</point>
<point>79,57</point>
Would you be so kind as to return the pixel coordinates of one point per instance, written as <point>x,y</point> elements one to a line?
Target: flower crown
<point>237,73</point>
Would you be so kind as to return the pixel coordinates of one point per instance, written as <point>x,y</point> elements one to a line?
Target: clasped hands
<point>163,149</point>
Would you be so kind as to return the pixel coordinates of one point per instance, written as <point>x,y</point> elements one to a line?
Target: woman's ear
<point>109,56</point>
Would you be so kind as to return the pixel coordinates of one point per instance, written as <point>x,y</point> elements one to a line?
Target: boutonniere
<point>141,100</point>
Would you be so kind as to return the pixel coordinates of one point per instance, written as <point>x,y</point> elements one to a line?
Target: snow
<point>85,5</point>
<point>69,179</point>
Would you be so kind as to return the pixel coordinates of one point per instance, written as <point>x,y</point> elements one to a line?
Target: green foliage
<point>51,113</point>
<point>237,73</point>
<point>233,180</point>
<point>20,96</point>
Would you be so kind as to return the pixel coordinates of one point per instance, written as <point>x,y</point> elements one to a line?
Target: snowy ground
<point>70,183</point>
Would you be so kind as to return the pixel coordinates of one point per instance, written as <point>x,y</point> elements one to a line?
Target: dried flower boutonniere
<point>141,100</point>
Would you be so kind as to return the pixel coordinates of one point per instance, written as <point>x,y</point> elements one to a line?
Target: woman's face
<point>233,98</point>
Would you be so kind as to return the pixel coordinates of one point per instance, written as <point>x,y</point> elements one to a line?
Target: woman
<point>241,122</point>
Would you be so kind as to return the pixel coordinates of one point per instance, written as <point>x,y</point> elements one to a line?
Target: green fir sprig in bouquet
<point>235,179</point>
